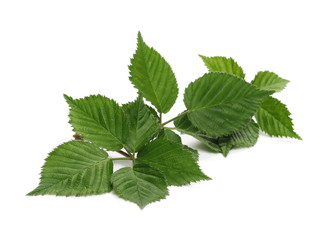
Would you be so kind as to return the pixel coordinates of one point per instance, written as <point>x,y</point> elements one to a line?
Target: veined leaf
<point>219,103</point>
<point>100,120</point>
<point>273,118</point>
<point>140,184</point>
<point>169,135</point>
<point>153,77</point>
<point>225,148</point>
<point>246,137</point>
<point>223,64</point>
<point>269,81</point>
<point>175,161</point>
<point>143,125</point>
<point>184,125</point>
<point>75,168</point>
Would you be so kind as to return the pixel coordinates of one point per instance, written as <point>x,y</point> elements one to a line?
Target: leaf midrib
<point>266,111</point>
<point>147,73</point>
<point>98,123</point>
<point>222,103</point>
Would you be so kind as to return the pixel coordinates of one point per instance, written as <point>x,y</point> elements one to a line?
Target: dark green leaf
<point>75,168</point>
<point>143,125</point>
<point>168,134</point>
<point>219,103</point>
<point>153,77</point>
<point>175,161</point>
<point>140,184</point>
<point>245,137</point>
<point>100,120</point>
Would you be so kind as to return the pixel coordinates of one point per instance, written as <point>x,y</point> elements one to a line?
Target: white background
<point>275,190</point>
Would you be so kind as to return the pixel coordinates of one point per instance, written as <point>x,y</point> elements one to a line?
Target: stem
<point>178,116</point>
<point>120,159</point>
<point>124,154</point>
<point>160,117</point>
<point>171,128</point>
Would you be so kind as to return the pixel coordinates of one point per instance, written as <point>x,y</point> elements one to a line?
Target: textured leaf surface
<point>273,118</point>
<point>168,134</point>
<point>175,161</point>
<point>153,77</point>
<point>143,125</point>
<point>269,81</point>
<point>140,184</point>
<point>220,103</point>
<point>223,64</point>
<point>245,137</point>
<point>75,168</point>
<point>100,120</point>
<point>184,125</point>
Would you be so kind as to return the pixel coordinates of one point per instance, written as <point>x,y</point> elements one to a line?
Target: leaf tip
<point>297,136</point>
<point>139,37</point>
<point>31,193</point>
<point>67,98</point>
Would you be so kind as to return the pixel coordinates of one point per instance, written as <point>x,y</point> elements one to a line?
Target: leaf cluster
<point>222,110</point>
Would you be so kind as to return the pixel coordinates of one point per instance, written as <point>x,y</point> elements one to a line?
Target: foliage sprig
<point>223,111</point>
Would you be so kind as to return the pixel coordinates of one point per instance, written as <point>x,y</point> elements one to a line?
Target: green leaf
<point>223,64</point>
<point>140,184</point>
<point>269,81</point>
<point>75,168</point>
<point>168,134</point>
<point>176,162</point>
<point>153,77</point>
<point>245,137</point>
<point>220,103</point>
<point>225,148</point>
<point>184,125</point>
<point>143,125</point>
<point>100,120</point>
<point>273,118</point>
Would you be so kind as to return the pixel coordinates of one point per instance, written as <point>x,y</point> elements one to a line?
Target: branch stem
<point>121,159</point>
<point>178,116</point>
<point>171,128</point>
<point>125,154</point>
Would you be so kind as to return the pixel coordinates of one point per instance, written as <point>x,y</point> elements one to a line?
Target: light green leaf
<point>75,168</point>
<point>100,120</point>
<point>169,135</point>
<point>175,161</point>
<point>143,125</point>
<point>140,184</point>
<point>273,118</point>
<point>223,64</point>
<point>269,81</point>
<point>219,103</point>
<point>153,77</point>
<point>245,137</point>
